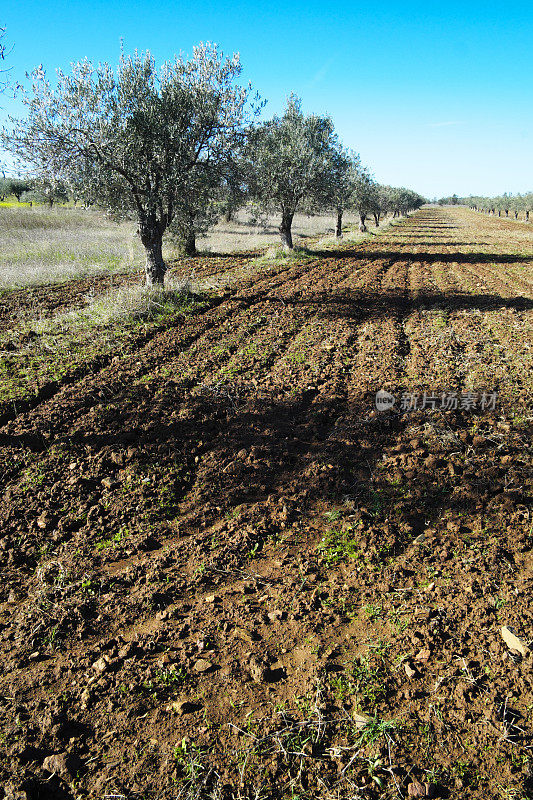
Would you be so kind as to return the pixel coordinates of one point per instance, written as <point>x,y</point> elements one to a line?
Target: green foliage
<point>365,197</point>
<point>401,201</point>
<point>345,174</point>
<point>290,160</point>
<point>47,189</point>
<point>341,544</point>
<point>139,141</point>
<point>17,187</point>
<point>506,203</point>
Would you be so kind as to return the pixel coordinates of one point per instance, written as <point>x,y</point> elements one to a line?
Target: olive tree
<point>346,166</point>
<point>18,186</point>
<point>364,197</point>
<point>233,191</point>
<point>290,161</point>
<point>196,211</point>
<point>47,190</point>
<point>404,200</point>
<point>134,139</point>
<point>218,188</point>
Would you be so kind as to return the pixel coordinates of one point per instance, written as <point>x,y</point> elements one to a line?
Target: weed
<point>339,544</point>
<point>364,680</point>
<point>374,611</point>
<point>190,758</point>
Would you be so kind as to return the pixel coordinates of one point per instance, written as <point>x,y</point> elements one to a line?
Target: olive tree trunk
<point>188,243</point>
<point>338,227</point>
<point>362,226</point>
<point>229,212</point>
<point>285,230</point>
<point>376,218</point>
<point>155,268</point>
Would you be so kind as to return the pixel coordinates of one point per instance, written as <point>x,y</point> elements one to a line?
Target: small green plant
<point>340,544</point>
<point>190,758</point>
<point>373,767</point>
<point>364,679</point>
<point>374,611</point>
<point>52,638</point>
<point>375,729</point>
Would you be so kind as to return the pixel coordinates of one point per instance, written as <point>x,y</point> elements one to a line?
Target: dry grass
<point>40,245</point>
<point>128,303</point>
<point>243,233</point>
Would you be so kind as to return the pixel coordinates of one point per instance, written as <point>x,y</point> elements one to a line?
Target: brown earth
<point>226,575</point>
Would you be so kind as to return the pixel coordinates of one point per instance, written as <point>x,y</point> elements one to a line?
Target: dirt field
<point>227,575</point>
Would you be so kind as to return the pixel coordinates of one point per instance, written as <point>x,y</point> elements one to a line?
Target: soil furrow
<point>223,533</point>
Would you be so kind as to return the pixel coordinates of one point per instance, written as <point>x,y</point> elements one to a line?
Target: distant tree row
<point>449,201</point>
<point>33,190</point>
<point>177,147</point>
<point>517,205</point>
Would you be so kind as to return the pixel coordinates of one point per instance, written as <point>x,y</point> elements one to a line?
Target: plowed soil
<point>226,574</point>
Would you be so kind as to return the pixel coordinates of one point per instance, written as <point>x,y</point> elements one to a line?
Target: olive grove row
<point>518,205</point>
<point>177,146</point>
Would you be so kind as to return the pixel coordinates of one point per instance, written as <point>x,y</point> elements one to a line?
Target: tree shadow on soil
<point>429,258</point>
<point>435,243</point>
<point>362,305</point>
<point>314,449</point>
<point>298,443</point>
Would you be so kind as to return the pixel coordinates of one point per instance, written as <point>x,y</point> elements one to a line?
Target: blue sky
<point>435,96</point>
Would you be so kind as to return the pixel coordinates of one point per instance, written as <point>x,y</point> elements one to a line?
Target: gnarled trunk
<point>362,226</point>
<point>527,216</point>
<point>155,268</point>
<point>376,218</point>
<point>338,226</point>
<point>285,230</point>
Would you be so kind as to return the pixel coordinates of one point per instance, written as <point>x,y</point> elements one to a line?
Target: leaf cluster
<point>291,159</point>
<point>135,140</point>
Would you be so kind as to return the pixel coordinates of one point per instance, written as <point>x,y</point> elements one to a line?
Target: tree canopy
<point>177,146</point>
<point>136,139</point>
<point>291,159</point>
